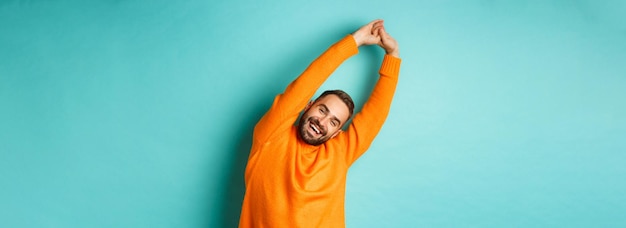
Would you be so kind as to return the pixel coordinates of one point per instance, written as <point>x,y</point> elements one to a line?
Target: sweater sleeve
<point>287,106</point>
<point>368,122</point>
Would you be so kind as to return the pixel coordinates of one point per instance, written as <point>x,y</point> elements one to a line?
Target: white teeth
<point>315,129</point>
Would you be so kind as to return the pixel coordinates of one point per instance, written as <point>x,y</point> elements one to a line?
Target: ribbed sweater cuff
<point>348,45</point>
<point>390,66</point>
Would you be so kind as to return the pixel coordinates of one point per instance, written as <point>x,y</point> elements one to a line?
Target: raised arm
<point>367,123</point>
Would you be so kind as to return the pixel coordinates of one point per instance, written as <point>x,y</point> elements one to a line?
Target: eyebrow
<point>328,110</point>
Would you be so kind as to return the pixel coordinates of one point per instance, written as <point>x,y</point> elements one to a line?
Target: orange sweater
<point>292,184</point>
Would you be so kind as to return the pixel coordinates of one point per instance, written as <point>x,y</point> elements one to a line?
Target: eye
<point>333,123</point>
<point>322,111</point>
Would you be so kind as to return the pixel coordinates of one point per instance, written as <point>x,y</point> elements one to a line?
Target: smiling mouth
<point>315,128</point>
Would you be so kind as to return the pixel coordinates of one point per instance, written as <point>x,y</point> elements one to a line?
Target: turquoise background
<point>139,113</point>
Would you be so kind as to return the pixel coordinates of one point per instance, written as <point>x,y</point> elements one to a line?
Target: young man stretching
<point>296,175</point>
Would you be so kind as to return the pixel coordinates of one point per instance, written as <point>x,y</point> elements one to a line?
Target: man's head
<point>324,118</point>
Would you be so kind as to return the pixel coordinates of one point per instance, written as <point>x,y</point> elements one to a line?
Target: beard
<point>309,138</point>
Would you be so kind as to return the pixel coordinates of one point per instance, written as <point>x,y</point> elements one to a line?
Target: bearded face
<point>322,120</point>
<point>312,132</point>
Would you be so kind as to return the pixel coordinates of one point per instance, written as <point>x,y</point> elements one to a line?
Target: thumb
<point>383,34</point>
<point>382,37</point>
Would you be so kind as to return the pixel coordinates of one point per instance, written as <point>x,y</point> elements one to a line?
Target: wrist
<point>357,39</point>
<point>394,53</point>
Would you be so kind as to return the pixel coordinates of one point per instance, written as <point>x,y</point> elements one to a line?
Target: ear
<point>336,133</point>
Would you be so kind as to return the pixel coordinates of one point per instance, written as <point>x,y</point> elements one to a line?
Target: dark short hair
<point>343,96</point>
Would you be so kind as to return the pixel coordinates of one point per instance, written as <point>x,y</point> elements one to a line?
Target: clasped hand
<point>375,33</point>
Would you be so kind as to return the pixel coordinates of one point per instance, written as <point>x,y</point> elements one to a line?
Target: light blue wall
<point>139,113</point>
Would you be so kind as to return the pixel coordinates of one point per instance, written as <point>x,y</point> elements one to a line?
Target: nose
<point>324,121</point>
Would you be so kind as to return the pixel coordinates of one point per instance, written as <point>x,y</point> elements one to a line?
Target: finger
<point>373,28</point>
<point>384,37</point>
<point>378,24</point>
<point>383,33</point>
<point>376,30</point>
<point>381,38</point>
<point>374,23</point>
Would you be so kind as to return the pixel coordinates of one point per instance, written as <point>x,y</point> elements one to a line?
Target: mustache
<point>317,124</point>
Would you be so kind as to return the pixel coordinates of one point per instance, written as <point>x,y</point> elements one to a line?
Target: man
<point>296,175</point>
